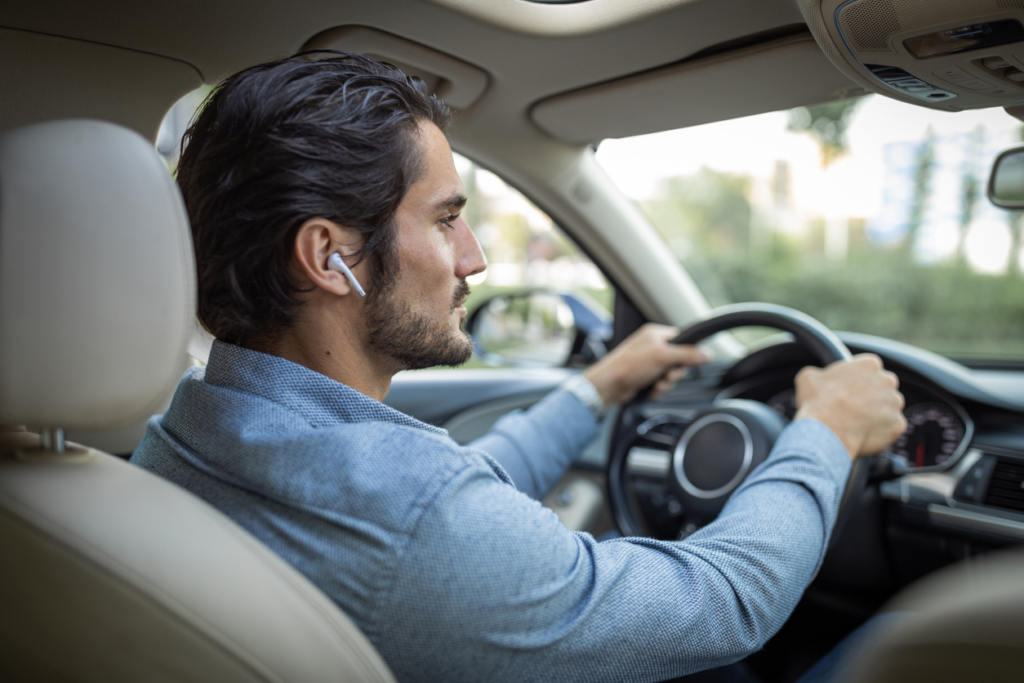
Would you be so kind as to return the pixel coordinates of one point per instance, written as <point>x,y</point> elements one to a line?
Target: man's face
<point>418,322</point>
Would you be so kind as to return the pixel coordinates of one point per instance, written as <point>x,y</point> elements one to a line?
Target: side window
<point>524,247</point>
<point>526,250</point>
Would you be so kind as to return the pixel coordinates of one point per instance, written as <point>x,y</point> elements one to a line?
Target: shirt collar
<point>318,398</point>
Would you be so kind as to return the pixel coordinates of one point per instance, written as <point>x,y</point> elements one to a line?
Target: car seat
<point>107,572</point>
<point>964,623</point>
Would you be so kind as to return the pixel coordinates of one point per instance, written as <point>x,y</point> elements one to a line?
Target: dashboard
<point>959,497</point>
<point>958,490</point>
<point>960,494</point>
<point>938,432</point>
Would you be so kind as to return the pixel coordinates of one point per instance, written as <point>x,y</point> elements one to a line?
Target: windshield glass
<point>868,214</point>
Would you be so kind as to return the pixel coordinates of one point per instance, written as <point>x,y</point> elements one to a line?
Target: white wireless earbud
<point>334,262</point>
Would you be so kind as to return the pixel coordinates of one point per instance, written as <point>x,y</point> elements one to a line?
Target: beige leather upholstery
<point>112,574</point>
<point>96,277</point>
<point>965,623</point>
<point>108,573</point>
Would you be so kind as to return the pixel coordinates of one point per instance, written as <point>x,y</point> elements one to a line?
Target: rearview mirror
<point>1006,182</point>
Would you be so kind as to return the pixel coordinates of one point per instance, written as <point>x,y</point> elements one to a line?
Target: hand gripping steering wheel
<point>728,439</point>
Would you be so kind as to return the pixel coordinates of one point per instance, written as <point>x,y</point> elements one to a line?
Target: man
<point>440,553</point>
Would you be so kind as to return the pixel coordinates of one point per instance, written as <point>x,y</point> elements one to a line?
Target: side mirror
<point>539,329</point>
<point>1006,182</point>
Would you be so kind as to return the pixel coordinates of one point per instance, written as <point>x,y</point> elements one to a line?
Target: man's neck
<point>340,354</point>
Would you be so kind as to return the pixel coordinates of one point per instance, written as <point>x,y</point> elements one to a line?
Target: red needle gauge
<point>934,432</point>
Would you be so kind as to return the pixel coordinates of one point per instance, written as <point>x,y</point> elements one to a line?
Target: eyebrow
<point>456,201</point>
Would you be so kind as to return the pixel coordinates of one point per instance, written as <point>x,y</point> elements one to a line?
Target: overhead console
<point>943,54</point>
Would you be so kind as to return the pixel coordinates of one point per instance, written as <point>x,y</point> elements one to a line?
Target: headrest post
<point>52,439</point>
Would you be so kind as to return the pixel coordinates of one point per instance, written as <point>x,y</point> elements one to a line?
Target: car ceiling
<point>530,52</point>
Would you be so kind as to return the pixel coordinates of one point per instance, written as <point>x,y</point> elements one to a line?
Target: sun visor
<point>457,83</point>
<point>778,74</point>
<point>943,54</point>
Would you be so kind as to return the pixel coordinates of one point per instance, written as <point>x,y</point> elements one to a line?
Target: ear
<point>315,241</point>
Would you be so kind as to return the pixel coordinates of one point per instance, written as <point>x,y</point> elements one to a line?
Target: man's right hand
<point>857,399</point>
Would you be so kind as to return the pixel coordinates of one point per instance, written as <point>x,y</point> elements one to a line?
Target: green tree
<point>709,209</point>
<point>827,124</point>
<point>705,218</point>
<point>1014,220</point>
<point>922,189</point>
<point>970,190</point>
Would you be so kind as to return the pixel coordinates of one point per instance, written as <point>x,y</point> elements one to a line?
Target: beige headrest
<point>96,276</point>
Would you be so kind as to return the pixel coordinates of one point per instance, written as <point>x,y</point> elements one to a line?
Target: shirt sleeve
<point>497,589</point>
<point>537,446</point>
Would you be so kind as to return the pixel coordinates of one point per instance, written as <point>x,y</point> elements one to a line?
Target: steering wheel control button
<point>648,462</point>
<point>664,429</point>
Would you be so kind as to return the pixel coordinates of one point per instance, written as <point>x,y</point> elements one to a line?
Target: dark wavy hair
<point>284,142</point>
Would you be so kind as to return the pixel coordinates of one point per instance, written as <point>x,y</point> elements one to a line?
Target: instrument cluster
<point>938,428</point>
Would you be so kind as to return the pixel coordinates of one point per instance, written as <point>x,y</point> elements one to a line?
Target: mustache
<point>461,292</point>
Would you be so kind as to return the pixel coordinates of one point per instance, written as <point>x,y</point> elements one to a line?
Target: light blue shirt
<point>441,554</point>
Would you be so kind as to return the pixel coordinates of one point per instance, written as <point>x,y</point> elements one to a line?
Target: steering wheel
<point>725,441</point>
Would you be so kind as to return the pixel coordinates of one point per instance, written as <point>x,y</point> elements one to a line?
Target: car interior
<point>109,573</point>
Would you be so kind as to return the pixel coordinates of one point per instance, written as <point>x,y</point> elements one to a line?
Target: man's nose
<point>470,257</point>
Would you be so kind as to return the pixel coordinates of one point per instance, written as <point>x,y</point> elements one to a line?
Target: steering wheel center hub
<point>713,456</point>
<point>717,452</point>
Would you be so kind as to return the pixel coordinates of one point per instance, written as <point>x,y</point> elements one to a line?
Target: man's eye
<point>447,220</point>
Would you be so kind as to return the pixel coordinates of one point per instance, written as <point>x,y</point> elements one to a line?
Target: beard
<point>416,340</point>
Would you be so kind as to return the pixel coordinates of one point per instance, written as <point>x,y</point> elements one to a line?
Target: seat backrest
<point>108,573</point>
<point>965,623</point>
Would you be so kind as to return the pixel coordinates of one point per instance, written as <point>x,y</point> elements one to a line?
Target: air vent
<point>1006,487</point>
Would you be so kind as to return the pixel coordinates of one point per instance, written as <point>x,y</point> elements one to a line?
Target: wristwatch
<point>583,389</point>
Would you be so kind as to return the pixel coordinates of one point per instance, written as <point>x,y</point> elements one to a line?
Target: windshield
<point>868,214</point>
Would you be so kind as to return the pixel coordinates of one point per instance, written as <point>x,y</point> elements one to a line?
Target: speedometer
<point>934,432</point>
